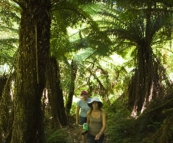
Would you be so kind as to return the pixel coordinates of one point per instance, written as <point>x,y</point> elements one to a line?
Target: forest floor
<point>74,133</point>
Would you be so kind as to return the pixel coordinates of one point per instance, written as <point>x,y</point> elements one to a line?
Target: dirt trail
<point>74,134</point>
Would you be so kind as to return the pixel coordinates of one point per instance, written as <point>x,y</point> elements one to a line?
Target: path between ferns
<point>74,132</point>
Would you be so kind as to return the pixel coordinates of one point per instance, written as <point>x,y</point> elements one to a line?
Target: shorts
<point>91,139</point>
<point>82,120</point>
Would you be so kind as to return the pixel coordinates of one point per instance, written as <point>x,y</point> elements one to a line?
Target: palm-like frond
<point>130,25</point>
<point>10,18</point>
<point>71,14</point>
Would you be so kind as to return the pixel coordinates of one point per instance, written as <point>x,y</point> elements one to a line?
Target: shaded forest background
<point>51,50</point>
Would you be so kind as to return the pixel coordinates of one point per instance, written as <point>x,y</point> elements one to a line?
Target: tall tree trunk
<point>142,80</point>
<point>6,110</point>
<point>61,109</point>
<point>56,95</point>
<point>34,36</point>
<point>146,83</point>
<point>3,80</point>
<point>72,87</point>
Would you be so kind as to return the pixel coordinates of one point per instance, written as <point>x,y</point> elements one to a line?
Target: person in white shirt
<point>81,111</point>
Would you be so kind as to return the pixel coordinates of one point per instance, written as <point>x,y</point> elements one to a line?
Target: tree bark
<point>56,95</point>
<point>72,87</point>
<point>3,80</point>
<point>146,83</point>
<point>6,110</point>
<point>34,36</point>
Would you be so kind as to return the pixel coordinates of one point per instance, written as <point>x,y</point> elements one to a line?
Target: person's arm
<point>88,119</point>
<point>77,115</point>
<point>103,126</point>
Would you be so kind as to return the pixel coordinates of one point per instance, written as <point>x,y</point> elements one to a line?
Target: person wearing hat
<point>81,111</point>
<point>96,120</point>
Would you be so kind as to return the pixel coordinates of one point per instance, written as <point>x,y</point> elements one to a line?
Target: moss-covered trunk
<point>72,87</point>
<point>33,53</point>
<point>61,109</point>
<point>3,80</point>
<point>6,109</point>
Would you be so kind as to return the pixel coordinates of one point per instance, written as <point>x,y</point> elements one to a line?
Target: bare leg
<point>84,138</point>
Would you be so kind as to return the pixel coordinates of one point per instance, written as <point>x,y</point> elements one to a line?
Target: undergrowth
<point>58,136</point>
<point>152,126</point>
<point>120,127</point>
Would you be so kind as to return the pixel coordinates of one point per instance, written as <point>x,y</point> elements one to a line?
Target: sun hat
<point>95,99</point>
<point>84,92</point>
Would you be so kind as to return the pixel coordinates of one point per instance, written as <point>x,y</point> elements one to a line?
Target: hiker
<point>81,111</point>
<point>96,120</point>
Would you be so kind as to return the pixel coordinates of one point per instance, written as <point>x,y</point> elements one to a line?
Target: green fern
<point>57,136</point>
